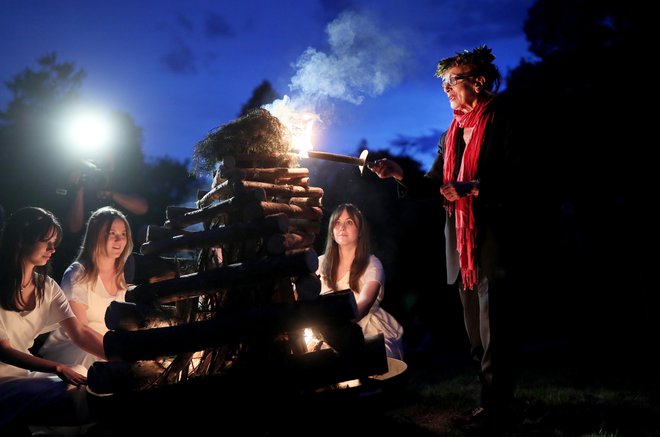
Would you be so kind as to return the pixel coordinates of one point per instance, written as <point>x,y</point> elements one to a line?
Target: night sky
<point>182,68</point>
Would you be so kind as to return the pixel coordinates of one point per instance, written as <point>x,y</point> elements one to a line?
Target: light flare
<point>300,126</point>
<point>299,123</point>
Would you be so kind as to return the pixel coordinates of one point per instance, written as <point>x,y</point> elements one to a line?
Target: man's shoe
<point>476,415</point>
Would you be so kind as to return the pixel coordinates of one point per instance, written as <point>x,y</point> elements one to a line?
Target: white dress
<point>58,346</point>
<point>377,320</point>
<point>19,391</point>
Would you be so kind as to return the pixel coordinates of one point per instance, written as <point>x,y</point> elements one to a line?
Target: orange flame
<point>299,123</point>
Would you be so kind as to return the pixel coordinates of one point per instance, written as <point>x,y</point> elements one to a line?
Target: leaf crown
<point>480,57</point>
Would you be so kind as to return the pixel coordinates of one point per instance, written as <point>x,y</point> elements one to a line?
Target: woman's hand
<point>455,190</point>
<point>70,376</point>
<point>386,168</point>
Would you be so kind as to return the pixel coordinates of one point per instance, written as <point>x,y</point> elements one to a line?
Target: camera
<point>91,176</point>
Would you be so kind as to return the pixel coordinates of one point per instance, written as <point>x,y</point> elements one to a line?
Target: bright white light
<point>299,122</point>
<point>311,342</point>
<point>309,335</point>
<point>88,132</point>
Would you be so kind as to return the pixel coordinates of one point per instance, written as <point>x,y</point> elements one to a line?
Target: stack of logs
<point>236,325</point>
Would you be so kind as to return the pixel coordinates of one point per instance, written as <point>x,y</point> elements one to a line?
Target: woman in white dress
<point>31,303</point>
<point>92,282</point>
<point>349,264</point>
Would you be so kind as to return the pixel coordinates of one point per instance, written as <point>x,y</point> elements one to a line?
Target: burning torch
<point>361,162</point>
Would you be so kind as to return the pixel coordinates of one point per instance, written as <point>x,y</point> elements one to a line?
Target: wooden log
<point>224,234</point>
<point>270,385</point>
<point>297,342</point>
<point>113,377</point>
<point>254,324</point>
<point>305,226</point>
<point>222,191</point>
<point>151,268</point>
<point>275,245</point>
<point>156,233</point>
<point>258,210</point>
<point>344,337</point>
<point>325,367</point>
<point>285,190</point>
<point>194,216</point>
<point>271,175</point>
<point>229,173</point>
<point>201,193</point>
<point>299,181</point>
<point>305,201</point>
<point>129,316</point>
<point>296,251</point>
<point>238,188</point>
<point>279,243</point>
<point>244,274</point>
<point>172,212</point>
<point>308,287</point>
<point>221,187</point>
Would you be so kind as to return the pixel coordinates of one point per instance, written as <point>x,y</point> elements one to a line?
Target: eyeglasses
<point>453,80</point>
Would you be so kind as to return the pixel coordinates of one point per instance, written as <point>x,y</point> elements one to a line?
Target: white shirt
<point>21,328</point>
<point>59,347</point>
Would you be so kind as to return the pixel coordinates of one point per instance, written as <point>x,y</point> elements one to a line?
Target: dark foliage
<point>262,95</point>
<point>590,160</point>
<point>34,163</point>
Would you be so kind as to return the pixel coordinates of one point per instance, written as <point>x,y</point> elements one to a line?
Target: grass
<point>558,396</point>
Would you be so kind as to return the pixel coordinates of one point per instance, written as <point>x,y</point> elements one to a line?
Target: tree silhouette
<point>35,163</point>
<point>28,149</point>
<point>262,95</point>
<point>590,160</point>
<point>36,93</point>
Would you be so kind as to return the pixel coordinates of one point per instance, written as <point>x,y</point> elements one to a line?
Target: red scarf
<point>478,118</point>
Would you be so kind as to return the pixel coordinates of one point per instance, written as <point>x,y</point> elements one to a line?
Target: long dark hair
<point>362,251</point>
<point>94,243</point>
<point>22,230</point>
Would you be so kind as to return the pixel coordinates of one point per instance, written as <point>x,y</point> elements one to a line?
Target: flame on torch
<point>300,125</point>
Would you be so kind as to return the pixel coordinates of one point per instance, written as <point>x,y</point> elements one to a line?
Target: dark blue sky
<point>184,67</point>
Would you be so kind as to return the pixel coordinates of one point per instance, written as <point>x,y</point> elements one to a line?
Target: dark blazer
<point>498,170</point>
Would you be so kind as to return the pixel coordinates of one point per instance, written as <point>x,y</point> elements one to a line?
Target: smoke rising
<point>362,60</point>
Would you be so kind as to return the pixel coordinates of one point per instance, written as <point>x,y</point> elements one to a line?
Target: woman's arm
<point>84,337</point>
<point>366,298</point>
<point>80,310</point>
<point>75,216</point>
<point>20,359</point>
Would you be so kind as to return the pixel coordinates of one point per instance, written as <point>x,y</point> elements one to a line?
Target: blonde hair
<point>95,241</point>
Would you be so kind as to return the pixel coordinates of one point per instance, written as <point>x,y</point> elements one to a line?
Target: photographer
<point>102,194</point>
<point>91,187</point>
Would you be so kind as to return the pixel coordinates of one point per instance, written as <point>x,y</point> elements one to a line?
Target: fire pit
<point>236,325</point>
